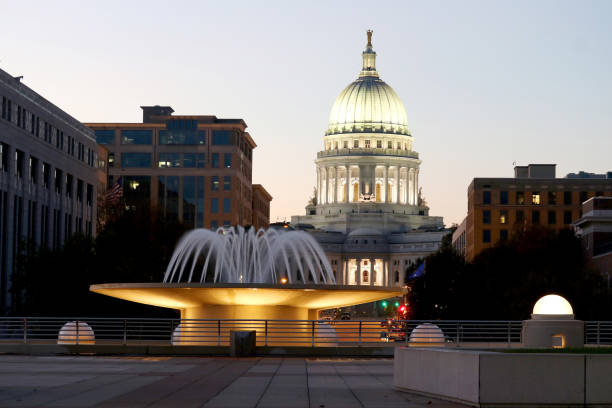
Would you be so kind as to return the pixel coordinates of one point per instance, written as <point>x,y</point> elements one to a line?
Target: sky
<point>485,83</point>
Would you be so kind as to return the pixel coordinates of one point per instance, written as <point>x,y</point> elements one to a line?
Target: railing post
<point>266,335</point>
<point>125,332</point>
<point>77,332</point>
<point>457,336</point>
<point>218,332</point>
<point>360,322</point>
<point>312,333</point>
<point>509,323</point>
<point>25,331</point>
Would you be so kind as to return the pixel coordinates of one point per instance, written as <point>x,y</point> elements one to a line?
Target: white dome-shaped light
<point>554,306</point>
<point>426,334</point>
<point>71,333</point>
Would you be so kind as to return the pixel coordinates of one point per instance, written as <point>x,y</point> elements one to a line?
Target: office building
<point>48,176</point>
<point>595,228</point>
<point>196,169</point>
<point>533,197</point>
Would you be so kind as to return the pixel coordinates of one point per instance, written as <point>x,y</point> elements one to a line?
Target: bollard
<point>242,343</point>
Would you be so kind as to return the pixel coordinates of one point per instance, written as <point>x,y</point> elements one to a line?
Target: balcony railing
<point>367,152</point>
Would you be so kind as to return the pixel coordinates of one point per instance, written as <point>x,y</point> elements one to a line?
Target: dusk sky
<point>485,84</point>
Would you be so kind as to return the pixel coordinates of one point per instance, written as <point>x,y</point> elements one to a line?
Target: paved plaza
<point>88,381</point>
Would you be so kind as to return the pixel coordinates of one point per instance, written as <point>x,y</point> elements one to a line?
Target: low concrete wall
<point>491,379</point>
<point>167,350</point>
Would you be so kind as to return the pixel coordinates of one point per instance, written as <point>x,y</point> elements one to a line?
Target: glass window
<point>4,152</point>
<point>58,181</point>
<point>111,160</point>
<point>535,217</point>
<point>182,137</point>
<point>46,170</point>
<point>137,190</point>
<point>135,159</point>
<point>169,160</point>
<point>503,197</point>
<point>389,145</point>
<point>215,160</point>
<point>520,216</point>
<point>355,143</point>
<point>214,183</point>
<point>79,195</point>
<point>503,235</point>
<point>535,198</point>
<point>227,205</point>
<point>503,217</point>
<point>221,137</point>
<point>567,197</point>
<point>552,217</point>
<point>486,217</point>
<point>193,160</point>
<point>227,160</point>
<point>367,144</point>
<point>227,183</point>
<point>189,200</point>
<point>583,196</point>
<point>226,223</point>
<point>520,197</point>
<point>379,144</point>
<point>486,197</point>
<point>214,225</point>
<point>567,217</point>
<point>486,236</point>
<point>200,201</point>
<point>137,137</point>
<point>105,137</point>
<point>33,170</point>
<point>214,205</point>
<point>552,197</point>
<point>69,183</point>
<point>168,196</point>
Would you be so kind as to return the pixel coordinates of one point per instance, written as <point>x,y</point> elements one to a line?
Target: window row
<point>367,144</point>
<point>28,121</point>
<point>519,216</point>
<point>167,160</point>
<point>173,135</point>
<point>539,198</point>
<point>39,172</point>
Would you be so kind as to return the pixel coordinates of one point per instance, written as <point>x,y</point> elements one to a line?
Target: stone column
<point>416,186</point>
<point>372,271</point>
<point>385,196</point>
<point>347,183</point>
<point>337,184</point>
<point>318,185</point>
<point>411,186</point>
<point>358,281</point>
<point>397,182</point>
<point>406,187</point>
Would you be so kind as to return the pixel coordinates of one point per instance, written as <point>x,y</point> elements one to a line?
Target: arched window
<point>365,276</point>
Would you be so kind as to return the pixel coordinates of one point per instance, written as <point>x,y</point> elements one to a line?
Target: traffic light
<point>384,304</point>
<point>396,304</point>
<point>403,309</point>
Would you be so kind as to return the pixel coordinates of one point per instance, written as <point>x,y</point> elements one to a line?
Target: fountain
<point>247,274</point>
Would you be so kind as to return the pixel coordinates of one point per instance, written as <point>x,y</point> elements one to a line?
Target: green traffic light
<point>396,304</point>
<point>384,304</point>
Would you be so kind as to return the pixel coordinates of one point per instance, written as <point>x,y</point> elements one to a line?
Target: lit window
<point>215,183</point>
<point>520,197</point>
<point>535,198</point>
<point>503,217</point>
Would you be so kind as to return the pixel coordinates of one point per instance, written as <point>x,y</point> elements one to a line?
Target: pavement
<point>117,382</point>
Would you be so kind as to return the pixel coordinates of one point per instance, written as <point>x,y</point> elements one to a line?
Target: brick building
<point>196,169</point>
<point>534,196</point>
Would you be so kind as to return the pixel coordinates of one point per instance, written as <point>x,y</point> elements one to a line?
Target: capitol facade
<point>368,212</point>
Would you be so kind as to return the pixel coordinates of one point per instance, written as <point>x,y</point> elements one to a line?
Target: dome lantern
<point>369,59</point>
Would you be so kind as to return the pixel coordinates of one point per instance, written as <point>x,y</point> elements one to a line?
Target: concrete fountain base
<point>248,302</point>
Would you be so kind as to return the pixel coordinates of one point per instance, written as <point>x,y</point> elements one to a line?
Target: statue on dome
<point>421,199</point>
<point>369,33</point>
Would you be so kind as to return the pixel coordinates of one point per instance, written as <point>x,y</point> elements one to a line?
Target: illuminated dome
<point>368,104</point>
<point>426,334</point>
<point>552,305</point>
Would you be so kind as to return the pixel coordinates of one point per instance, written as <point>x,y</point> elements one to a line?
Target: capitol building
<point>368,212</point>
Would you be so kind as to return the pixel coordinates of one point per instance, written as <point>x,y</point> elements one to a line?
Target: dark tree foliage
<point>505,281</point>
<point>133,247</point>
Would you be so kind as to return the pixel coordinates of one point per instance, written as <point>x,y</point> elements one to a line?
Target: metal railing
<point>210,332</point>
<point>312,333</point>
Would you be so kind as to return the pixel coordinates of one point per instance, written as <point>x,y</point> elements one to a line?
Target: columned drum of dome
<point>367,162</point>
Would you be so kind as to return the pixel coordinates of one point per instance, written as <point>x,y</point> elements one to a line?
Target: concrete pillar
<point>386,184</point>
<point>337,184</point>
<point>397,189</point>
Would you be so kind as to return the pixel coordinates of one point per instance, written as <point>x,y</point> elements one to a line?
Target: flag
<point>115,192</point>
<point>420,271</point>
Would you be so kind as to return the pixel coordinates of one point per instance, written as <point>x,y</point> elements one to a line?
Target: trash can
<point>242,343</point>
